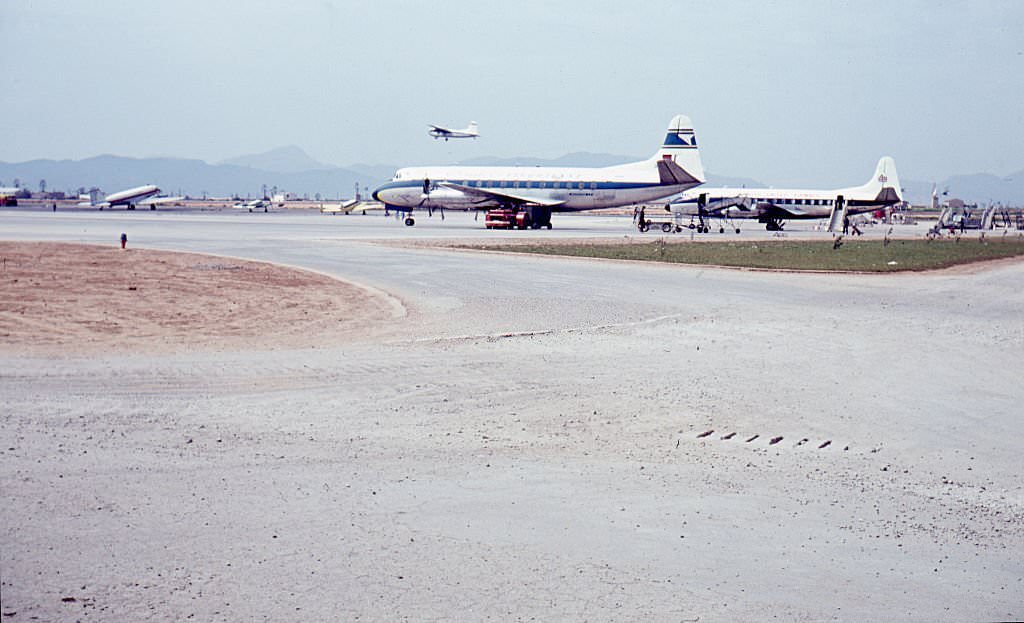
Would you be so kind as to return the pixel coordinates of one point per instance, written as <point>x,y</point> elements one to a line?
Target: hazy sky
<point>791,93</point>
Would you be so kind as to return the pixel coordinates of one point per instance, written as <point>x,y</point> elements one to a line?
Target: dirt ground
<point>74,298</point>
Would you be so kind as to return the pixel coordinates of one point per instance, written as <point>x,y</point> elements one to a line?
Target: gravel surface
<point>530,439</point>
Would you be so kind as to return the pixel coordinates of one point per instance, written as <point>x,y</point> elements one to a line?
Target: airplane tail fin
<point>473,129</point>
<point>95,198</point>
<point>680,149</point>
<point>885,183</point>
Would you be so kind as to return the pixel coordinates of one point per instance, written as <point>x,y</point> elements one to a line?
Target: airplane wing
<point>715,206</point>
<point>439,130</point>
<point>503,196</point>
<point>721,205</point>
<point>788,211</point>
<point>159,200</point>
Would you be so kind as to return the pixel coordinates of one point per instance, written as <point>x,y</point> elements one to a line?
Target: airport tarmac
<point>532,438</point>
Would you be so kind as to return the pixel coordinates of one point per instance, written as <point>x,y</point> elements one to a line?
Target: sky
<point>792,93</point>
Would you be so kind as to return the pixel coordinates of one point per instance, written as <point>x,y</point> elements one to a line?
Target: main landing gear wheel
<point>721,230</point>
<point>409,221</point>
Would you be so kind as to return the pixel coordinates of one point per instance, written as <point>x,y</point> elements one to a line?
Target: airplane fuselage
<point>795,204</point>
<point>447,134</point>
<point>568,189</point>
<point>132,195</point>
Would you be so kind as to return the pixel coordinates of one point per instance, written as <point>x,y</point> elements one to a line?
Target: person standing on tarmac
<point>124,240</point>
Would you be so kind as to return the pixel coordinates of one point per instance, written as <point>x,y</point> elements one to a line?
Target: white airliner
<point>542,190</point>
<point>446,133</point>
<point>773,206</point>
<point>138,196</point>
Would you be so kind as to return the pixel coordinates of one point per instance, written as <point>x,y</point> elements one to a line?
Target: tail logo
<point>882,178</point>
<point>680,139</point>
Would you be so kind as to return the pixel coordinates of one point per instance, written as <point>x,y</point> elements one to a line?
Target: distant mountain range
<point>193,178</point>
<point>293,170</point>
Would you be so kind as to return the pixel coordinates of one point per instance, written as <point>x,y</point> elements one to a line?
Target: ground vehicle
<point>514,218</point>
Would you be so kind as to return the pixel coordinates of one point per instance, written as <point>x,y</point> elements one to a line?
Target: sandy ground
<point>71,298</point>
<point>537,439</point>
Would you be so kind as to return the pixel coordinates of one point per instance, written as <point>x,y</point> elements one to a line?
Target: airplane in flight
<point>539,191</point>
<point>138,196</point>
<point>446,133</point>
<point>773,206</point>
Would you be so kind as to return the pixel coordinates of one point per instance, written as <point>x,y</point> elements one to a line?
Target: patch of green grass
<point>852,255</point>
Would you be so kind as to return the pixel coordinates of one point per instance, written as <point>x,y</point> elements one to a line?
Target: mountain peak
<point>287,159</point>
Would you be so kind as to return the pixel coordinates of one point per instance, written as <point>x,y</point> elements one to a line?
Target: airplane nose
<point>376,193</point>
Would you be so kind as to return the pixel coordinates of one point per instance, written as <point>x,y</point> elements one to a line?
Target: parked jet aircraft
<point>140,195</point>
<point>446,133</point>
<point>773,206</point>
<point>542,190</point>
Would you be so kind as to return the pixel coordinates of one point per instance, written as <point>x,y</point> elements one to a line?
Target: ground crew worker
<point>124,240</point>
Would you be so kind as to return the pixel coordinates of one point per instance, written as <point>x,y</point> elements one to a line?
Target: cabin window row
<point>522,184</point>
<point>798,202</point>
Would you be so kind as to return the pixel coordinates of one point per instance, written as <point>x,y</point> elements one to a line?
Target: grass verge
<point>852,255</point>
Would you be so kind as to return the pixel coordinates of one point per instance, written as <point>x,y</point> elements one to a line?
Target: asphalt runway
<point>548,438</point>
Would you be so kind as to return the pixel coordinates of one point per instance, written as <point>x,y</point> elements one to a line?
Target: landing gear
<point>773,224</point>
<point>409,221</point>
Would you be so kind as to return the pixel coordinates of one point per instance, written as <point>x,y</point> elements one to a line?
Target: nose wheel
<point>409,221</point>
